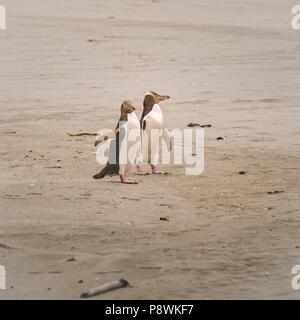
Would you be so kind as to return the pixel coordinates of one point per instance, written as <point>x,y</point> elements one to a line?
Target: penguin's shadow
<point>111,181</point>
<point>119,182</point>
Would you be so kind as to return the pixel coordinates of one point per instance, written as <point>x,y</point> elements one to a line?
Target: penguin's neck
<point>131,116</point>
<point>156,108</point>
<point>156,111</point>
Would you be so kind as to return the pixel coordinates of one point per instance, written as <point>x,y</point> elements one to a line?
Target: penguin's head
<point>127,107</point>
<point>157,97</point>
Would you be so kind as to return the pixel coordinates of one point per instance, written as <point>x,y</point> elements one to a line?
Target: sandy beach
<point>66,66</point>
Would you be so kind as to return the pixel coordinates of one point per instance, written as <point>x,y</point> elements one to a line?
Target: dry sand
<point>67,65</point>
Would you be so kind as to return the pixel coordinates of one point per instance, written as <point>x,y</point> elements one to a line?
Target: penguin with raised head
<point>128,121</point>
<point>152,118</point>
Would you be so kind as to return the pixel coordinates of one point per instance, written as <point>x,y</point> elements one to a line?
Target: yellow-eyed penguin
<point>152,118</point>
<point>128,121</point>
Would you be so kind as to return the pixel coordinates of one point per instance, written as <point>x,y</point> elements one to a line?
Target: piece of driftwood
<point>192,125</point>
<point>275,192</point>
<point>164,219</point>
<point>82,134</point>
<point>4,246</point>
<point>122,283</point>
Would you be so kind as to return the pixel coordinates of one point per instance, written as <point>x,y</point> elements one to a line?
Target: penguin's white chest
<point>151,135</point>
<point>129,144</point>
<point>155,118</point>
<point>133,121</point>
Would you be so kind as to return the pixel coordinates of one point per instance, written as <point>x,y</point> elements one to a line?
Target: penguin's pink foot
<point>155,170</point>
<point>125,180</point>
<point>140,171</point>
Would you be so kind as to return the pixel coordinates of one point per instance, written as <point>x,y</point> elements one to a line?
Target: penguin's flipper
<point>99,175</point>
<point>108,170</point>
<point>168,138</point>
<point>144,125</point>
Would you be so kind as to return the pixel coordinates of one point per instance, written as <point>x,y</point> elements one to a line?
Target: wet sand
<point>67,67</point>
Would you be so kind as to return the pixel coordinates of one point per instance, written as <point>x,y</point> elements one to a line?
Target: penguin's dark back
<point>148,106</point>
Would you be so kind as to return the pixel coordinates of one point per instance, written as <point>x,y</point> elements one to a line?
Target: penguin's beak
<point>161,98</point>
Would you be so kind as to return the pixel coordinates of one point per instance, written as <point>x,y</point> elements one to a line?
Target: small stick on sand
<point>122,283</point>
<point>192,125</point>
<point>82,134</point>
